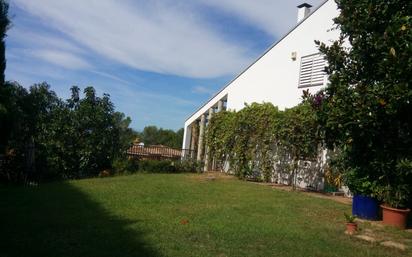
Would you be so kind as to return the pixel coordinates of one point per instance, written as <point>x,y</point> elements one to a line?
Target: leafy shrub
<point>157,166</point>
<point>189,166</point>
<point>398,192</point>
<point>168,166</point>
<point>125,165</point>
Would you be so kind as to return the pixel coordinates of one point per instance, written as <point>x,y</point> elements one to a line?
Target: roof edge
<point>260,57</point>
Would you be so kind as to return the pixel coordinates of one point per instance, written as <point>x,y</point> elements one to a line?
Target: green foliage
<point>349,218</point>
<point>365,110</point>
<point>298,137</point>
<point>220,136</point>
<point>189,165</point>
<point>125,165</point>
<point>4,25</point>
<point>157,166</point>
<point>398,193</point>
<point>76,138</point>
<point>334,170</point>
<point>360,185</point>
<point>168,166</point>
<point>244,139</point>
<point>151,135</point>
<point>259,135</point>
<point>297,132</point>
<point>20,125</point>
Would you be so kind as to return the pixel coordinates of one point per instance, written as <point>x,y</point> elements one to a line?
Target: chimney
<point>303,11</point>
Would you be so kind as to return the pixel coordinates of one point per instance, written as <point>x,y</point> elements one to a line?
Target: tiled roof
<point>154,151</point>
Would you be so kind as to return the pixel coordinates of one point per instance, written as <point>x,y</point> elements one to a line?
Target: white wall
<point>274,77</point>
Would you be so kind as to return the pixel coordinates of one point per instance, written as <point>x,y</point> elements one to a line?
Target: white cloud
<point>163,36</point>
<point>110,76</point>
<point>47,47</point>
<point>157,36</point>
<point>152,97</point>
<point>202,90</point>
<point>41,39</point>
<point>61,58</point>
<point>274,17</point>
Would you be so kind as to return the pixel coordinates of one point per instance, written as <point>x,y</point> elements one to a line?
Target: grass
<point>173,215</point>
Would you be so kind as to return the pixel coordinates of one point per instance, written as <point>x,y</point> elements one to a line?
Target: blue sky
<point>159,59</point>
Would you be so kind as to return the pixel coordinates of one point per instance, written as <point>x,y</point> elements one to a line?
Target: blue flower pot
<point>365,207</point>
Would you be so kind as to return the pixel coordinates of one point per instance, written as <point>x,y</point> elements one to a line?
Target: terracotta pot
<point>351,228</point>
<point>394,217</point>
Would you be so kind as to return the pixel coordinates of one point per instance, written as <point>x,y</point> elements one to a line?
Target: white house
<point>278,76</point>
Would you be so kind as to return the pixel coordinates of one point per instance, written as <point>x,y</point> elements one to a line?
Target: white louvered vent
<point>312,71</point>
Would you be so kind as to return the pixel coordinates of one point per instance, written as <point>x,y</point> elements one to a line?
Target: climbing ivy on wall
<point>254,139</point>
<point>255,142</point>
<point>220,137</point>
<point>298,136</point>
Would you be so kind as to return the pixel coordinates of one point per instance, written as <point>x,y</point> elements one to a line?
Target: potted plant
<point>364,204</point>
<point>351,225</point>
<point>396,194</point>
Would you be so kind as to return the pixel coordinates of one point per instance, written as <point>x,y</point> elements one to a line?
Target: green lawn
<point>173,215</point>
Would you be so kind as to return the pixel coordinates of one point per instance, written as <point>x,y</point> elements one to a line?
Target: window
<point>312,71</point>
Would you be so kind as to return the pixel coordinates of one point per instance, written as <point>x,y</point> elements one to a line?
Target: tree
<point>151,135</point>
<point>13,126</point>
<point>102,134</point>
<point>366,108</point>
<point>76,138</point>
<point>178,139</point>
<point>4,25</point>
<point>29,113</point>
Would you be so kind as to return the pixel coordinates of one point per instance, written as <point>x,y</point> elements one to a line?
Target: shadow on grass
<point>59,220</point>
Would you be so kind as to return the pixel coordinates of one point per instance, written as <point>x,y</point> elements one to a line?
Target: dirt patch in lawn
<point>336,198</point>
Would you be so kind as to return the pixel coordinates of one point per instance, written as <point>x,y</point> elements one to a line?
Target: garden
<point>355,133</point>
<point>177,215</point>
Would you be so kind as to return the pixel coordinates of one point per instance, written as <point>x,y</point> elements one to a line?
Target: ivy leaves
<point>255,138</point>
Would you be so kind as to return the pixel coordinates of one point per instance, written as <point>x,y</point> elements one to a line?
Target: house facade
<point>278,76</point>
